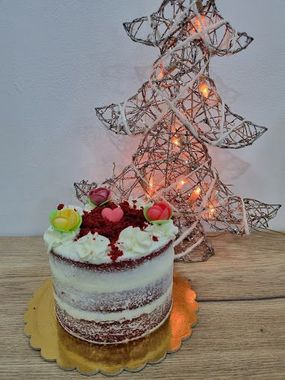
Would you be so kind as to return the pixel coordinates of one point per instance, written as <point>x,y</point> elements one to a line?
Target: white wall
<point>60,58</point>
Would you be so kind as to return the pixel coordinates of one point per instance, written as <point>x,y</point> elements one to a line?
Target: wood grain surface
<point>241,329</point>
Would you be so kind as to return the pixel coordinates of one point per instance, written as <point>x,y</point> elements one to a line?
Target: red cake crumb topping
<point>115,252</point>
<point>93,222</point>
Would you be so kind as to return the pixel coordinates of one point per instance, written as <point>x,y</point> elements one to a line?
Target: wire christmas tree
<point>179,112</point>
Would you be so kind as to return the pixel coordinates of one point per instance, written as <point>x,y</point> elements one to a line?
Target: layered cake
<point>112,268</point>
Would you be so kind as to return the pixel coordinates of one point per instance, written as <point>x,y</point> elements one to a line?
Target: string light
<point>164,71</point>
<point>151,188</point>
<point>211,211</point>
<point>161,73</point>
<point>204,89</point>
<point>199,23</point>
<point>195,194</point>
<point>176,141</point>
<point>180,184</point>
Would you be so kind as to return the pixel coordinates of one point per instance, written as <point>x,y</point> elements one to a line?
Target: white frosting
<point>90,245</point>
<point>54,239</point>
<point>134,242</point>
<point>89,248</point>
<point>166,231</point>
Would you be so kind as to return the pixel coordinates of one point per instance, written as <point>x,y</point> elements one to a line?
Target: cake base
<point>55,344</point>
<point>101,336</point>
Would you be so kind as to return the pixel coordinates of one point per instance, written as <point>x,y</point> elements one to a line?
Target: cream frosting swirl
<point>134,242</point>
<point>164,231</point>
<point>54,239</point>
<point>91,248</point>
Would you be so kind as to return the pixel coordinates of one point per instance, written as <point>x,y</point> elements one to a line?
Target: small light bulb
<point>180,184</point>
<point>175,141</point>
<point>151,187</point>
<point>197,191</point>
<point>161,72</point>
<point>160,75</point>
<point>204,89</point>
<point>195,195</point>
<point>211,211</point>
<point>199,23</point>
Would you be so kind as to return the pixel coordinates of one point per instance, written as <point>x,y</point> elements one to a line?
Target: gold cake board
<point>55,344</point>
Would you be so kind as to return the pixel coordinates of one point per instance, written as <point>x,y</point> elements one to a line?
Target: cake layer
<point>116,301</point>
<point>114,332</point>
<point>90,280</point>
<point>119,315</point>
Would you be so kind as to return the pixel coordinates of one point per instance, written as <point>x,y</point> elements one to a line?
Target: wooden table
<point>241,329</point>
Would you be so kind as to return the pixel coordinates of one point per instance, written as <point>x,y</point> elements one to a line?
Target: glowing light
<point>176,141</point>
<point>199,23</point>
<point>161,73</point>
<point>204,89</point>
<point>151,188</point>
<point>211,211</point>
<point>181,183</point>
<point>195,194</point>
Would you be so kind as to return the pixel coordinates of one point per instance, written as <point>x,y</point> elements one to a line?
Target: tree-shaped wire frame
<point>179,111</point>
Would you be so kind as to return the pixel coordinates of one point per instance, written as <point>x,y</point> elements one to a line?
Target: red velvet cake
<point>112,268</point>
